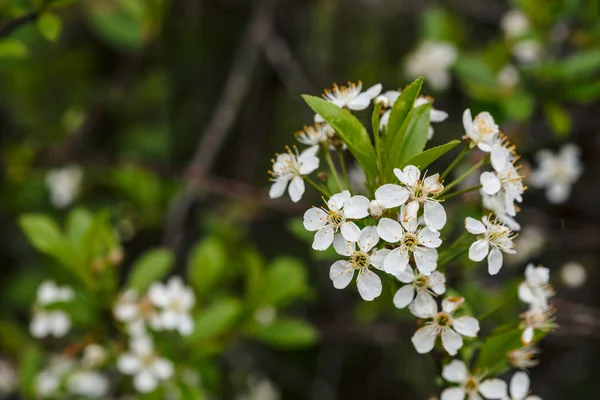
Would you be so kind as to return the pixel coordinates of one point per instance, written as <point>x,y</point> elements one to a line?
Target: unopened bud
<point>322,176</point>
<point>383,100</point>
<point>115,256</point>
<point>376,209</point>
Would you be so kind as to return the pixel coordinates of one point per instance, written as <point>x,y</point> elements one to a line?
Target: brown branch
<point>287,67</point>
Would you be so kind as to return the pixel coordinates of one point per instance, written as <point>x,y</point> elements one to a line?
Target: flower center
<point>410,241</point>
<point>482,126</point>
<point>422,282</point>
<point>442,319</point>
<point>147,359</point>
<point>472,384</point>
<point>175,305</point>
<point>359,260</point>
<point>335,217</point>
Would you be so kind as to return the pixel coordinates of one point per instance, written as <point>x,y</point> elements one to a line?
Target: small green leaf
<point>78,222</point>
<point>12,48</point>
<point>29,366</point>
<point>475,70</point>
<point>207,264</point>
<point>151,266</point>
<point>217,319</point>
<point>401,110</point>
<point>285,280</point>
<point>43,233</point>
<point>350,129</point>
<point>416,133</point>
<point>49,25</point>
<point>558,118</point>
<point>492,356</point>
<point>424,159</point>
<point>286,333</point>
<point>519,106</point>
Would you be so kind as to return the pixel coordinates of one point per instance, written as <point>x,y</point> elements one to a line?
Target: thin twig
<point>287,67</point>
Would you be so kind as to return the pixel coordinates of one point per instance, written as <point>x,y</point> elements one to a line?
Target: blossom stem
<point>461,192</point>
<point>334,172</point>
<point>463,176</point>
<point>454,163</point>
<point>320,188</point>
<point>340,154</point>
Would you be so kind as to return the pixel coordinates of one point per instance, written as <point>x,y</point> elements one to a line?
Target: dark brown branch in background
<point>287,67</point>
<point>7,28</point>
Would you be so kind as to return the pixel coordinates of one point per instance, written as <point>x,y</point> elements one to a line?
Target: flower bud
<point>383,100</point>
<point>376,209</point>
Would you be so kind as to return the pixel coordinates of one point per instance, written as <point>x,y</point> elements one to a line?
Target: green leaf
<point>11,48</point>
<point>121,23</point>
<point>286,333</point>
<point>49,25</point>
<point>474,70</point>
<point>285,281</point>
<point>492,356</point>
<point>424,159</point>
<point>29,366</point>
<point>558,118</point>
<point>519,106</point>
<point>217,319</point>
<point>207,264</point>
<point>43,233</point>
<point>152,266</point>
<point>78,222</point>
<point>416,133</point>
<point>401,110</point>
<point>351,131</point>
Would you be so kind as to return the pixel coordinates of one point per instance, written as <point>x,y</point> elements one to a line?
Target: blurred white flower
<point>342,271</point>
<point>420,242</point>
<point>524,357</point>
<point>89,384</point>
<point>260,389</point>
<point>506,184</point>
<point>508,77</point>
<point>341,207</point>
<point>418,292</point>
<point>519,388</point>
<point>443,324</point>
<point>497,205</point>
<point>350,96</point>
<point>315,135</point>
<point>530,243</point>
<point>490,233</point>
<point>48,381</point>
<point>146,367</point>
<point>135,312</point>
<point>573,274</point>
<point>64,185</point>
<point>536,319</point>
<point>483,130</point>
<point>536,289</point>
<point>432,60</point>
<point>288,168</point>
<point>557,172</point>
<point>174,302</point>
<point>470,386</point>
<point>50,322</point>
<point>422,192</point>
<point>514,23</point>
<point>265,315</point>
<point>8,378</point>
<point>527,51</point>
<point>94,356</point>
<point>386,197</point>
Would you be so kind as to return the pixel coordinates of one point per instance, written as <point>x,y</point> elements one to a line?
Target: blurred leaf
<point>425,158</point>
<point>120,23</point>
<point>217,319</point>
<point>78,222</point>
<point>152,266</point>
<point>580,65</point>
<point>191,392</point>
<point>519,107</point>
<point>285,280</point>
<point>207,263</point>
<point>12,48</point>
<point>439,25</point>
<point>29,366</point>
<point>416,133</point>
<point>492,356</point>
<point>49,25</point>
<point>558,118</point>
<point>43,233</point>
<point>350,129</point>
<point>286,333</point>
<point>473,69</point>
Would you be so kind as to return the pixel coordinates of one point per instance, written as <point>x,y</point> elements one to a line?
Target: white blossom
<point>147,368</point>
<point>536,289</point>
<point>89,384</point>
<point>260,389</point>
<point>497,205</point>
<point>419,291</point>
<point>420,242</point>
<point>174,301</point>
<point>557,172</point>
<point>341,207</point>
<point>508,77</point>
<point>360,261</point>
<point>351,96</point>
<point>64,185</point>
<point>94,356</point>
<point>523,357</point>
<point>387,197</point>
<point>432,60</point>
<point>422,192</point>
<point>52,322</point>
<point>527,51</point>
<point>536,319</point>
<point>491,233</point>
<point>315,135</point>
<point>470,386</point>
<point>289,168</point>
<point>483,130</point>
<point>48,381</point>
<point>573,274</point>
<point>444,324</point>
<point>519,388</point>
<point>135,312</point>
<point>514,23</point>
<point>506,184</point>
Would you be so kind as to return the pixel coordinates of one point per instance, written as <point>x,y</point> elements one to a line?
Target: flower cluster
<point>48,321</point>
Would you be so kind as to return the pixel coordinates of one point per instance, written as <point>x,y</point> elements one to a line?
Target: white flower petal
<point>396,261</point>
<point>296,189</point>
<point>350,231</point>
<point>391,195</point>
<point>158,295</point>
<point>341,274</point>
<point>424,305</point>
<point>435,215</point>
<point>451,341</point>
<point>411,212</point>
<point>356,207</point>
<point>437,115</point>
<point>368,238</point>
<point>389,230</point>
<point>426,260</point>
<point>145,382</point>
<point>128,364</point>
<point>451,304</point>
<point>494,261</point>
<point>409,175</point>
<point>474,226</point>
<point>186,325</point>
<point>278,188</point>
<point>479,250</point>
<point>378,258</point>
<point>453,393</point>
<point>406,276</point>
<point>519,385</point>
<point>429,238</point>
<point>369,284</point>
<point>404,296</point>
<point>493,388</point>
<point>437,282</point>
<point>468,122</point>
<point>490,183</point>
<point>338,200</point>
<point>466,326</point>
<point>323,239</point>
<point>527,335</point>
<point>456,372</point>
<point>162,368</point>
<point>526,295</point>
<point>424,339</point>
<point>342,246</point>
